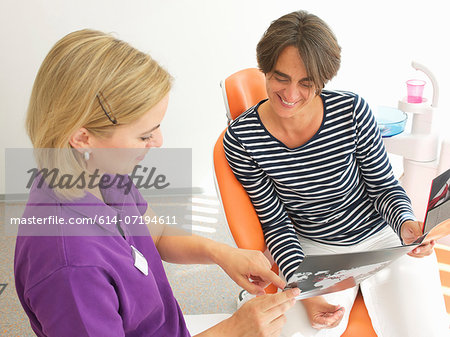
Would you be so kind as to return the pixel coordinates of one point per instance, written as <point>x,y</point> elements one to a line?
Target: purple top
<point>88,285</point>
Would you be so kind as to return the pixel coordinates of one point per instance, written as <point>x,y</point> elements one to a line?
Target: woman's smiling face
<point>128,144</point>
<point>288,86</point>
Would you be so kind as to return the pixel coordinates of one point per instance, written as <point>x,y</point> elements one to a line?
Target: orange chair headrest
<point>244,89</point>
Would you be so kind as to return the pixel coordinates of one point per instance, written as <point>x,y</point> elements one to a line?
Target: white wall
<point>200,42</point>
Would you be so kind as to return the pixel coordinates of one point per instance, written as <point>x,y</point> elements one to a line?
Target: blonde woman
<point>96,106</point>
<point>314,165</point>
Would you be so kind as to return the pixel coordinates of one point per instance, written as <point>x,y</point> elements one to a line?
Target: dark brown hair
<point>314,40</point>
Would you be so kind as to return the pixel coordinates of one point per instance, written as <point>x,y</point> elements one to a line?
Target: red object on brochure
<point>437,219</point>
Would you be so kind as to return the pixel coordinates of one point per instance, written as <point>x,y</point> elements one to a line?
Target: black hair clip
<point>108,112</point>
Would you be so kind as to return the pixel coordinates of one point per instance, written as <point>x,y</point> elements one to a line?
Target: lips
<point>286,103</point>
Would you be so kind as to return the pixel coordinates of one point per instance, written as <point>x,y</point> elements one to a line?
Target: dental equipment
<point>420,147</point>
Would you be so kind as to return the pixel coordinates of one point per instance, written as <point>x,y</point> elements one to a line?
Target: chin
<point>283,112</point>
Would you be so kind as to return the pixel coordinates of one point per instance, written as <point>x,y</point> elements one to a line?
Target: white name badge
<point>140,262</point>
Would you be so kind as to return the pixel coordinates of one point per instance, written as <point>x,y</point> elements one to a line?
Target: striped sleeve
<point>279,233</point>
<point>387,196</point>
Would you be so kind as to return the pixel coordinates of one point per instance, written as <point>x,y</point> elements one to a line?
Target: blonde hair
<point>312,37</point>
<point>84,74</point>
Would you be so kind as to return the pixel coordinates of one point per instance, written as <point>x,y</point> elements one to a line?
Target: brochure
<point>323,274</point>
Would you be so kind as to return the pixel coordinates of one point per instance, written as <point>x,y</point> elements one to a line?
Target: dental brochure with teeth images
<point>323,274</point>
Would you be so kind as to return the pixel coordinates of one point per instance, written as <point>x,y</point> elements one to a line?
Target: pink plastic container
<point>415,90</point>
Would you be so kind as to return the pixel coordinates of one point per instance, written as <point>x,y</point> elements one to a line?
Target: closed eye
<point>144,136</point>
<point>281,80</point>
<point>306,84</point>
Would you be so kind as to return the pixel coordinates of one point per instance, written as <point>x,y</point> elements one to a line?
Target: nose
<point>292,92</point>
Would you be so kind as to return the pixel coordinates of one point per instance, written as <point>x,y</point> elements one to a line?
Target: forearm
<point>187,248</point>
<point>279,233</point>
<point>285,248</point>
<point>221,329</point>
<point>388,197</point>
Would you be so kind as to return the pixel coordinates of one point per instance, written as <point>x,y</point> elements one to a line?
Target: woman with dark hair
<point>313,163</point>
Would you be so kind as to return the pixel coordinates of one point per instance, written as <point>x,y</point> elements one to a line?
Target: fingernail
<point>296,291</point>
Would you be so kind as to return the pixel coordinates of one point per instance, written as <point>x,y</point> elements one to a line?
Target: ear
<point>81,139</point>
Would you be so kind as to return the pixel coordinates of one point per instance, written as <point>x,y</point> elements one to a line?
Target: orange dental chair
<point>242,90</point>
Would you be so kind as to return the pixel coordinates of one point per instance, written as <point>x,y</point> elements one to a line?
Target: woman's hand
<point>262,316</point>
<point>410,232</point>
<point>248,268</point>
<point>321,314</point>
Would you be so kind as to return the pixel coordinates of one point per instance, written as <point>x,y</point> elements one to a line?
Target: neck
<point>94,181</point>
<point>297,129</point>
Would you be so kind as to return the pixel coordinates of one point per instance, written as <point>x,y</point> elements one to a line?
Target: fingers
<point>266,313</point>
<point>423,250</point>
<point>269,276</point>
<point>280,304</point>
<point>328,320</point>
<point>266,274</point>
<point>255,266</point>
<point>411,230</point>
<point>258,282</point>
<point>280,309</point>
<point>254,288</point>
<point>322,314</point>
<point>274,300</point>
<point>336,318</point>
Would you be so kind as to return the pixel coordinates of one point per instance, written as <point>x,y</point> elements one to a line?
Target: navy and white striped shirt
<point>338,188</point>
